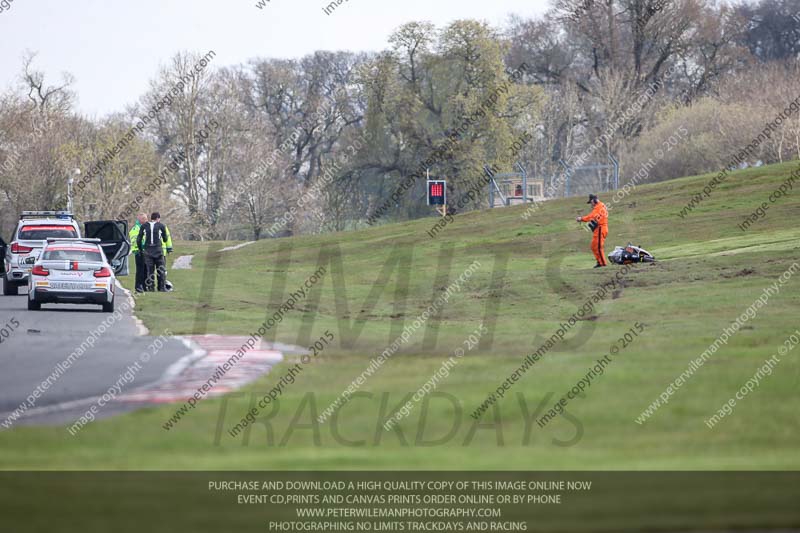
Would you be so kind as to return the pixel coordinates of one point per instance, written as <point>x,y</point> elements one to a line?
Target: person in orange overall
<point>598,221</point>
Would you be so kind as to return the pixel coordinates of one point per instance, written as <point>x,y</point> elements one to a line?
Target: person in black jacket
<point>152,238</point>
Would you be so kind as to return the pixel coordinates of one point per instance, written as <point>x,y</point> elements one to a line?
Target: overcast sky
<point>113,47</point>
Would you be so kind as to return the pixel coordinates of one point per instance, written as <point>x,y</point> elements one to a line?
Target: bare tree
<point>181,130</point>
<point>46,98</point>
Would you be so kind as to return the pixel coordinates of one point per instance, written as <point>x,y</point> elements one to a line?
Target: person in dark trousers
<point>151,241</point>
<point>598,222</point>
<point>141,268</point>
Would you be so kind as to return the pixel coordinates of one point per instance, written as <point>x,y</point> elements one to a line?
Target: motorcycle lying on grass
<point>625,255</point>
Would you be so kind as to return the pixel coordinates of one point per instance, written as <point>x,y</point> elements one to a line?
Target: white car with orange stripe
<point>72,271</point>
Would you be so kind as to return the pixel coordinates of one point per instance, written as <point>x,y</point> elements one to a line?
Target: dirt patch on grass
<point>618,292</point>
<point>742,273</point>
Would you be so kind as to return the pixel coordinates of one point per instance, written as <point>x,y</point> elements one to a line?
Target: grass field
<point>533,275</point>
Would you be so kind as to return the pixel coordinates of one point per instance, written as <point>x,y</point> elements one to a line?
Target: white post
<point>70,181</point>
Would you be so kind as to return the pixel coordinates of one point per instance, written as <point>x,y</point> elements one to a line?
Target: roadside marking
<point>141,329</point>
<point>185,376</point>
<point>232,248</point>
<point>210,352</point>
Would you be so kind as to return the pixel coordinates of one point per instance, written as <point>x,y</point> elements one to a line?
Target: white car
<point>72,271</point>
<point>35,227</point>
<point>32,231</point>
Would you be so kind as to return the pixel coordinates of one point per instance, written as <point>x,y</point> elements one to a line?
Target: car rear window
<point>42,232</point>
<point>72,254</point>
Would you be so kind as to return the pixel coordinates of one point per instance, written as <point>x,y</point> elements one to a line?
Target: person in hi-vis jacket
<point>141,268</point>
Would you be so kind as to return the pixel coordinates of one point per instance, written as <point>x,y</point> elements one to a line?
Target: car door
<point>3,248</point>
<point>113,235</point>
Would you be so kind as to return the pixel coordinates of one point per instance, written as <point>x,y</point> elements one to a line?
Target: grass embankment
<point>708,273</point>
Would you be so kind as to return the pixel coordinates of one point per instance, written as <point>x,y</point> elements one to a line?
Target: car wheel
<point>9,287</point>
<point>109,307</point>
<point>33,305</point>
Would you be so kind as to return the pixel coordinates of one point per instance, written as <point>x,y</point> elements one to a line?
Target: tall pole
<point>70,181</point>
